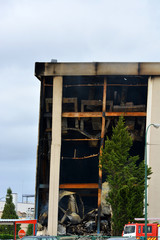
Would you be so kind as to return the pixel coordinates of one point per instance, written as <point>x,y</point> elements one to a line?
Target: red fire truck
<point>138,230</point>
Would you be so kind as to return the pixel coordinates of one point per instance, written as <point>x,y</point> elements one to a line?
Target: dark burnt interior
<point>81,136</point>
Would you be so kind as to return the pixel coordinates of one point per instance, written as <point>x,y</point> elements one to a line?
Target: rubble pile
<point>73,221</point>
<point>87,226</point>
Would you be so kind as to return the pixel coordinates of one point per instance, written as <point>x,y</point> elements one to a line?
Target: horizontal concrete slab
<point>96,69</point>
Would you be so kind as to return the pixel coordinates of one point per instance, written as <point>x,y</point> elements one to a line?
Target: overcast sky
<point>67,30</point>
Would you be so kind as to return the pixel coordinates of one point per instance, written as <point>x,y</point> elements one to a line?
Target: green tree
<point>9,213</point>
<point>29,230</point>
<point>125,177</point>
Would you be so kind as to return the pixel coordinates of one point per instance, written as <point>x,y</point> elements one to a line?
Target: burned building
<point>79,105</point>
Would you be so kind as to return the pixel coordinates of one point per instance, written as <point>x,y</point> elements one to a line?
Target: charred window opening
<point>127,93</point>
<point>76,162</point>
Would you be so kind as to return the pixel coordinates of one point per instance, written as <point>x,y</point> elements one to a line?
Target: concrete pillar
<point>55,156</point>
<point>153,146</point>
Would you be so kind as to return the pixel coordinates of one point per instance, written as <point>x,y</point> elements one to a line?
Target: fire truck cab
<point>138,230</point>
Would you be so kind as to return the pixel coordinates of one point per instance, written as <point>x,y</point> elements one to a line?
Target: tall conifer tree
<point>125,177</point>
<point>9,213</point>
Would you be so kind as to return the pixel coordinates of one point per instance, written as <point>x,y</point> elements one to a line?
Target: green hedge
<point>6,236</point>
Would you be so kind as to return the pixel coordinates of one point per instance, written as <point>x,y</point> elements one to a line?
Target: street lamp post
<point>156,126</point>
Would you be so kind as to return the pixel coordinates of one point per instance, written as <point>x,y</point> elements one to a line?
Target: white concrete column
<point>55,156</point>
<point>153,146</point>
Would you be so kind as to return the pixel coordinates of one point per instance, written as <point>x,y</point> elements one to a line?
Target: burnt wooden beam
<point>79,186</point>
<point>83,85</point>
<point>99,114</point>
<point>102,143</point>
<point>101,85</point>
<point>83,139</point>
<point>129,108</point>
<point>125,114</point>
<point>48,85</point>
<point>84,157</point>
<point>81,114</point>
<point>126,85</point>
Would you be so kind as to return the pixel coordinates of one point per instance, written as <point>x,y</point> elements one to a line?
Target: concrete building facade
<point>79,104</point>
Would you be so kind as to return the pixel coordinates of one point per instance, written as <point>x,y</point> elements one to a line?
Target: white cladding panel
<point>153,146</point>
